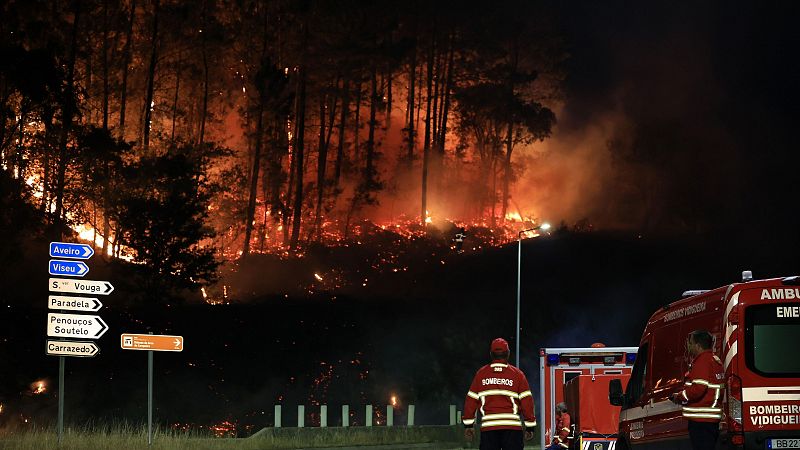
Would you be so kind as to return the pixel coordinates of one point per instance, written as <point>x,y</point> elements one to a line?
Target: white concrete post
<point>345,415</point>
<point>389,416</point>
<point>323,416</point>
<point>369,416</point>
<point>301,416</point>
<point>411,415</point>
<point>452,414</point>
<point>277,416</point>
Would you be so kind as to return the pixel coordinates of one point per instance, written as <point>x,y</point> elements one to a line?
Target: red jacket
<point>562,430</point>
<point>702,393</point>
<point>501,392</point>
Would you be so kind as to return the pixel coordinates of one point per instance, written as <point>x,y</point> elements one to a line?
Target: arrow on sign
<point>80,286</point>
<point>72,348</point>
<point>69,250</point>
<point>73,303</point>
<point>67,268</point>
<point>75,325</point>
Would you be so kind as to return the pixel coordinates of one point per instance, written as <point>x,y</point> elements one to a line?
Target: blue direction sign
<point>69,250</point>
<point>67,268</point>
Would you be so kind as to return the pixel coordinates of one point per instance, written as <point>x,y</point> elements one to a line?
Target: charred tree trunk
<point>426,144</point>
<point>105,64</point>
<point>369,169</point>
<point>509,141</point>
<point>68,102</point>
<point>412,75</point>
<point>251,203</point>
<point>175,99</point>
<point>507,172</point>
<point>126,62</point>
<point>322,161</point>
<point>204,111</point>
<point>357,125</point>
<point>389,100</point>
<point>259,139</point>
<point>299,150</point>
<point>151,75</point>
<point>342,127</point>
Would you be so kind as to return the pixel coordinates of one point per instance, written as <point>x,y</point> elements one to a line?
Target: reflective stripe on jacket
<point>703,389</point>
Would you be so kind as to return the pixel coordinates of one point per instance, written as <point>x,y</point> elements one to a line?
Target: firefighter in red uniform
<point>501,392</point>
<point>561,434</point>
<point>702,393</point>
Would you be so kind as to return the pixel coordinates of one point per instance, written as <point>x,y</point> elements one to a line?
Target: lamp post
<point>545,226</point>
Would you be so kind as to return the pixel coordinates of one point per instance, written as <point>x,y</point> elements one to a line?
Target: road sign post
<point>149,397</point>
<point>61,325</point>
<point>150,343</point>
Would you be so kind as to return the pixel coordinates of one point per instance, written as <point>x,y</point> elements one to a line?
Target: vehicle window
<point>638,376</point>
<point>570,375</point>
<point>668,355</point>
<point>769,329</point>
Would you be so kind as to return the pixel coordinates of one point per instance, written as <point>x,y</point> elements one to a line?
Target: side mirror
<point>615,394</point>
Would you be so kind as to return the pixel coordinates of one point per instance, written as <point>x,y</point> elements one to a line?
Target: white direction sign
<point>73,303</point>
<point>95,287</point>
<point>75,325</point>
<point>72,348</point>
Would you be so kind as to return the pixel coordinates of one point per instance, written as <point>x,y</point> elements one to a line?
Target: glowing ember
<point>318,277</point>
<point>394,401</point>
<point>38,387</point>
<point>1,408</point>
<point>428,218</point>
<point>224,429</point>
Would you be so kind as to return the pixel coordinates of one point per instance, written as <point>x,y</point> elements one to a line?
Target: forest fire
<point>214,172</point>
<point>38,387</point>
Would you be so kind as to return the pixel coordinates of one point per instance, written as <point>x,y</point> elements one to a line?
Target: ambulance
<point>756,330</point>
<point>558,366</point>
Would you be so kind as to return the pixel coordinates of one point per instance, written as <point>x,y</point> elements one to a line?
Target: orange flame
<point>38,387</point>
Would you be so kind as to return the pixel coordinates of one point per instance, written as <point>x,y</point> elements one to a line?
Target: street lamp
<point>545,226</point>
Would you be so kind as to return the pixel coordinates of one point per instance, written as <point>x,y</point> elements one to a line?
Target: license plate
<point>783,443</point>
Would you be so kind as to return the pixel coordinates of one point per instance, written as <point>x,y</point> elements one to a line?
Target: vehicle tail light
<point>735,429</point>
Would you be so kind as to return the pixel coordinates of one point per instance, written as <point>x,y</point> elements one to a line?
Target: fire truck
<point>559,366</point>
<point>756,329</point>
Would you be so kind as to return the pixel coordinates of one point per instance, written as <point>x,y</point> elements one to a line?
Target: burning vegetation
<point>310,139</point>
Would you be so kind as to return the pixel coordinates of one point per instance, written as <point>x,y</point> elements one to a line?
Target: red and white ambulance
<point>756,329</point>
<point>557,366</point>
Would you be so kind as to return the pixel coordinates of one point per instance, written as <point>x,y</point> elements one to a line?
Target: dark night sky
<point>711,88</point>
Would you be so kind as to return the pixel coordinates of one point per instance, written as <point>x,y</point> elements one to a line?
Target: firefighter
<point>502,393</point>
<point>701,396</point>
<point>561,434</point>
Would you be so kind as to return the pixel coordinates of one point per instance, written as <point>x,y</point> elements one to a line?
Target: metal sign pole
<point>61,362</point>
<point>149,397</point>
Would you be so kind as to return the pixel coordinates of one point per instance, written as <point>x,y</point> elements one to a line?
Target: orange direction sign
<point>156,342</point>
